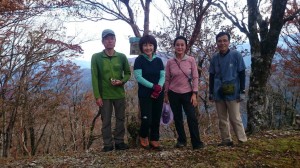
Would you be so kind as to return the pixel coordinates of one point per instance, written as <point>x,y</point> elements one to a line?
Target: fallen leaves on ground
<point>268,149</point>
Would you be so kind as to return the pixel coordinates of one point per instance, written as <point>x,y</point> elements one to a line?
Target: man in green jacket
<point>110,71</point>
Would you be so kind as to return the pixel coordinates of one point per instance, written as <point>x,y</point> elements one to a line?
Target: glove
<point>155,95</point>
<point>157,88</point>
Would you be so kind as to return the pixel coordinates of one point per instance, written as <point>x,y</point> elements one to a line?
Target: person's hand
<point>154,95</point>
<point>242,96</point>
<point>116,82</point>
<point>194,100</point>
<point>166,98</point>
<point>99,102</point>
<point>211,97</point>
<point>157,89</point>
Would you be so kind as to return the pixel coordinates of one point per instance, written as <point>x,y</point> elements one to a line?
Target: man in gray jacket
<point>226,88</point>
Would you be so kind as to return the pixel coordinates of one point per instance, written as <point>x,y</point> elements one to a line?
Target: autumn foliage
<point>45,107</point>
<point>41,95</point>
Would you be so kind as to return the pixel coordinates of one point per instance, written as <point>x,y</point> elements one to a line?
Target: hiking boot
<point>155,145</point>
<point>240,143</point>
<point>121,146</point>
<point>107,148</point>
<point>144,142</point>
<point>180,145</point>
<point>198,146</point>
<point>229,143</point>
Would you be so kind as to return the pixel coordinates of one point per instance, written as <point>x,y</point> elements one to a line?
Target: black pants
<point>177,102</point>
<point>151,110</point>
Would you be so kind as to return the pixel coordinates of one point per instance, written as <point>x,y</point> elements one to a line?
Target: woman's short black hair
<point>222,34</point>
<point>180,38</point>
<point>147,39</point>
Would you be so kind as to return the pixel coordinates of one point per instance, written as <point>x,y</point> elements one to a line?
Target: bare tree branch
<point>223,7</point>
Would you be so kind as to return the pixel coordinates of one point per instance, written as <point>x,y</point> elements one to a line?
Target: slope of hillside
<point>268,149</point>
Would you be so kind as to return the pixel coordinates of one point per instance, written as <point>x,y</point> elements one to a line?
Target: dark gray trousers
<point>106,115</point>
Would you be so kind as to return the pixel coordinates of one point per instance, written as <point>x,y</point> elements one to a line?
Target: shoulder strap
<point>180,68</point>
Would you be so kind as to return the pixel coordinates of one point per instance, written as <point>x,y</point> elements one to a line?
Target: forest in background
<point>47,108</point>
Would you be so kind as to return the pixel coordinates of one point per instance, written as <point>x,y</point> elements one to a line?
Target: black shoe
<point>199,146</point>
<point>180,145</point>
<point>107,148</point>
<point>229,143</point>
<point>121,146</point>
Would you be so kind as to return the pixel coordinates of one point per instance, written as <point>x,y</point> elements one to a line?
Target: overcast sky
<point>93,30</point>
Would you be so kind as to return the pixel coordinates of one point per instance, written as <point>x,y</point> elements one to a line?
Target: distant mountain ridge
<point>86,71</point>
<point>87,64</point>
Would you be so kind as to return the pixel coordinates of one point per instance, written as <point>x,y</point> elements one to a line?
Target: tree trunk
<point>146,17</point>
<point>83,128</point>
<point>8,134</point>
<point>262,53</point>
<point>258,101</point>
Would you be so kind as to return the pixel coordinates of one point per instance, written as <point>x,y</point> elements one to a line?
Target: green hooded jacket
<point>105,68</point>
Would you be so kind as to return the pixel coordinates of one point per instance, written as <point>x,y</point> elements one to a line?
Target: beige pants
<point>229,112</point>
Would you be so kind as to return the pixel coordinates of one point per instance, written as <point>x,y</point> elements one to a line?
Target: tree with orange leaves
<point>287,66</point>
<point>29,53</point>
